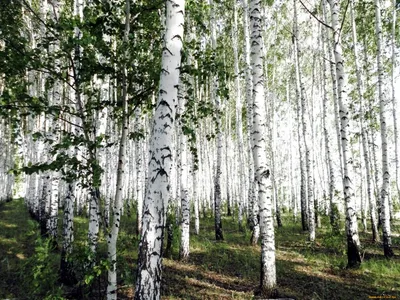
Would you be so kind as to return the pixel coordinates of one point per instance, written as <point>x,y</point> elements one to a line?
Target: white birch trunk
<point>183,182</point>
<point>360,90</point>
<point>394,101</point>
<point>148,284</point>
<point>117,204</point>
<point>253,205</point>
<point>239,125</point>
<point>215,97</point>
<point>383,107</point>
<point>334,212</point>
<point>261,167</point>
<point>353,242</point>
<point>305,135</point>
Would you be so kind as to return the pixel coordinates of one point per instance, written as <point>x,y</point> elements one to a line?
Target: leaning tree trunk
<point>148,283</point>
<point>385,209</point>
<point>261,167</point>
<point>353,241</point>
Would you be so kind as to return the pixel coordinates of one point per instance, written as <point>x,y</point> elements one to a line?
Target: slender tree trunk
<point>196,201</point>
<point>385,209</point>
<point>117,204</point>
<point>372,204</point>
<point>334,212</point>
<point>305,136</point>
<point>335,99</point>
<point>353,242</point>
<point>217,100</point>
<point>253,205</point>
<point>394,102</point>
<point>66,268</point>
<point>302,146</point>
<point>184,192</point>
<point>239,125</point>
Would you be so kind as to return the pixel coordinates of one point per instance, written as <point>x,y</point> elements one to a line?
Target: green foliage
<point>335,243</point>
<point>40,272</point>
<point>96,272</point>
<point>91,57</point>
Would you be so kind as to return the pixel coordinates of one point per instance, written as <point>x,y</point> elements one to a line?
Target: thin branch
<point>344,18</point>
<point>305,7</point>
<point>69,122</point>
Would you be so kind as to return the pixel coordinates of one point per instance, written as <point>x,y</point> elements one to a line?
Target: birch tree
<point>239,125</point>
<point>304,137</point>
<point>253,204</point>
<point>148,283</point>
<point>385,209</point>
<point>117,204</point>
<point>261,167</point>
<point>394,100</point>
<point>360,91</point>
<point>216,98</point>
<point>353,242</point>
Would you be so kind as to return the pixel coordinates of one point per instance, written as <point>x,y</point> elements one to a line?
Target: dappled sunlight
<point>20,256</point>
<point>226,269</point>
<point>7,242</point>
<point>7,225</point>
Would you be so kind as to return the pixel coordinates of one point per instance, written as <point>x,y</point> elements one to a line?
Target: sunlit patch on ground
<point>214,270</point>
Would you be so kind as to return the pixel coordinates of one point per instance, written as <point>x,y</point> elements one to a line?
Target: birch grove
<point>128,127</point>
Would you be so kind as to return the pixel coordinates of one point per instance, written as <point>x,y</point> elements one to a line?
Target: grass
<point>214,270</point>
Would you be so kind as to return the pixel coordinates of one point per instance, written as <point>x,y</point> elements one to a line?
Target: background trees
<point>302,86</point>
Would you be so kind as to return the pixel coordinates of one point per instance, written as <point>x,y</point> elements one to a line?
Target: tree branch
<point>305,7</point>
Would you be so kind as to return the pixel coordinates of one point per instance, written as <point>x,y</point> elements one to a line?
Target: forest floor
<point>215,270</point>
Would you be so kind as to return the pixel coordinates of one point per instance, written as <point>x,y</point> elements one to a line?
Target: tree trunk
<point>217,101</point>
<point>239,125</point>
<point>353,242</point>
<point>305,135</point>
<point>394,102</point>
<point>334,212</point>
<point>253,204</point>
<point>385,209</point>
<point>262,170</point>
<point>117,204</point>
<point>372,204</point>
<point>148,283</point>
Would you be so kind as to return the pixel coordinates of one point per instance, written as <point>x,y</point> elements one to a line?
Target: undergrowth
<point>226,269</point>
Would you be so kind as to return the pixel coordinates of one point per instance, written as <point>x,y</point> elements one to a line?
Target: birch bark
<point>117,205</point>
<point>385,209</point>
<point>214,94</point>
<point>394,100</point>
<point>360,90</point>
<point>353,242</point>
<point>261,167</point>
<point>305,135</point>
<point>148,283</point>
